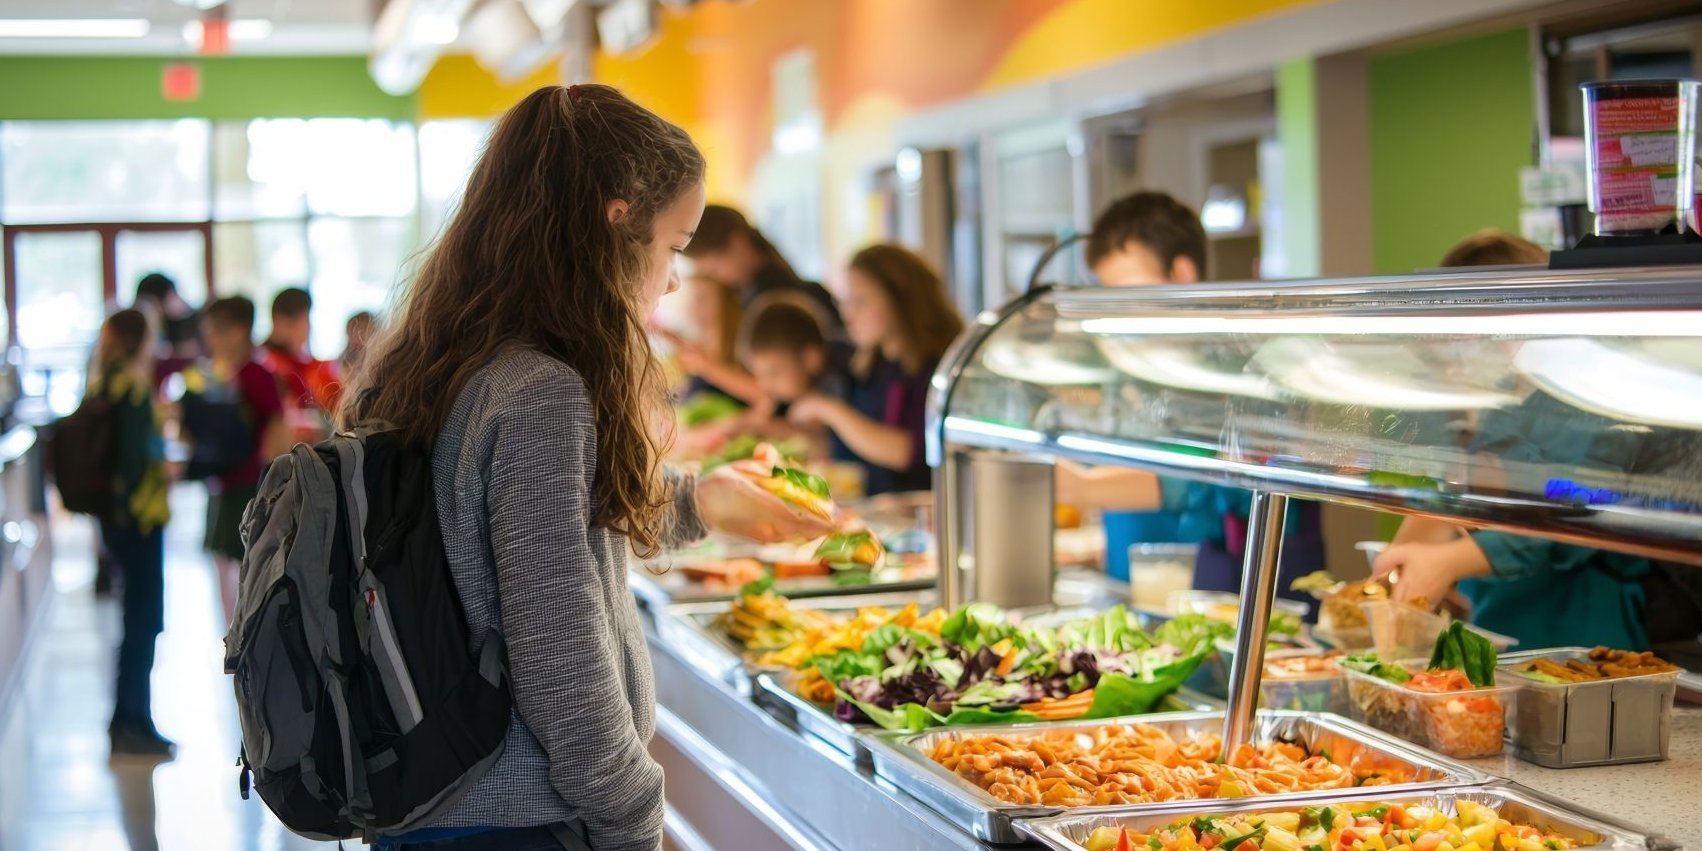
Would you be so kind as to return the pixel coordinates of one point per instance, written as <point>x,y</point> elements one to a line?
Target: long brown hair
<point>927,321</point>
<point>530,258</point>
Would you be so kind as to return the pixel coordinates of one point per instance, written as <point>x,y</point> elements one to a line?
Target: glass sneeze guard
<point>1563,404</point>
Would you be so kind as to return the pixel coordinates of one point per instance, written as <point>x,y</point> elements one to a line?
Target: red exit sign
<point>180,81</point>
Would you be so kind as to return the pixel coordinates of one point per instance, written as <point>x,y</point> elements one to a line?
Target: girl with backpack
<point>133,527</point>
<point>519,357</point>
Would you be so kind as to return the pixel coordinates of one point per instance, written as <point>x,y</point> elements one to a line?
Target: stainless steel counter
<point>743,779</point>
<point>779,774</point>
<point>1662,797</point>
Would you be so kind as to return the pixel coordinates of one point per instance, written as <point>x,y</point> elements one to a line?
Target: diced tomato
<point>1449,679</point>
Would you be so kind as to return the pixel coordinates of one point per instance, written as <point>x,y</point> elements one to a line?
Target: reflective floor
<point>58,789</point>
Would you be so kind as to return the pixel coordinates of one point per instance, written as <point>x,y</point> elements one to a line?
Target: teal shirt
<point>1547,594</point>
<point>1557,595</point>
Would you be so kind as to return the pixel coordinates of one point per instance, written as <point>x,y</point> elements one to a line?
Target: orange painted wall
<point>711,67</point>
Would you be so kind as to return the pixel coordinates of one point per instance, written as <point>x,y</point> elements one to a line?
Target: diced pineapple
<point>1470,846</point>
<point>1482,835</point>
<point>1289,822</point>
<point>1473,813</point>
<point>1278,838</point>
<point>1375,843</point>
<point>1434,821</point>
<point>1102,839</point>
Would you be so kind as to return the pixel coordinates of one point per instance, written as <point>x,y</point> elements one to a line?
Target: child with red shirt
<point>312,388</point>
<point>229,333</point>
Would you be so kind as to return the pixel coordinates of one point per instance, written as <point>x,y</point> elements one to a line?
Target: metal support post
<point>1258,587</point>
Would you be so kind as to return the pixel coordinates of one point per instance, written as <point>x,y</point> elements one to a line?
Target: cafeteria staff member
<point>902,322</point>
<point>1542,593</point>
<point>1145,239</point>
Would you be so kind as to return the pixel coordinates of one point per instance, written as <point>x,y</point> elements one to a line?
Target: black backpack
<point>82,456</point>
<point>362,707</point>
<point>221,437</point>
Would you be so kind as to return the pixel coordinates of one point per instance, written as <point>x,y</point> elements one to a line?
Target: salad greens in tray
<point>906,670</point>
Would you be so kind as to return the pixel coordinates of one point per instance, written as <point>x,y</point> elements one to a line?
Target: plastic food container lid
<point>1203,602</point>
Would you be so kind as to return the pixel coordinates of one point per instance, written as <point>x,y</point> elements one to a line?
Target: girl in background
<point>899,317</point>
<point>133,531</point>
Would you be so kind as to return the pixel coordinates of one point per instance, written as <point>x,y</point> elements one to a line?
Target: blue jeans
<point>141,556</point>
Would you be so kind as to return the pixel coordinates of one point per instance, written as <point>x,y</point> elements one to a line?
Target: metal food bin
<point>1514,803</point>
<point>773,691</point>
<point>1606,722</point>
<point>689,628</point>
<point>902,758</point>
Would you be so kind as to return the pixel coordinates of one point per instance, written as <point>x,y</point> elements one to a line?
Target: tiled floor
<point>58,790</point>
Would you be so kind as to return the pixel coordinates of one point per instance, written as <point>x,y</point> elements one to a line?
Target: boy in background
<point>1152,239</point>
<point>311,386</point>
<point>229,331</point>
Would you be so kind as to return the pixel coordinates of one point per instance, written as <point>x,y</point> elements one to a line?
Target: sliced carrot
<point>1006,663</point>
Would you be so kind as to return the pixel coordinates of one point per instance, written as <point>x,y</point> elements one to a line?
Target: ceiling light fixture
<point>73,28</point>
<point>245,29</point>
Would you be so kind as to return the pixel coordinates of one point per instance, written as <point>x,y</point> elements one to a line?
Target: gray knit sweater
<point>513,467</point>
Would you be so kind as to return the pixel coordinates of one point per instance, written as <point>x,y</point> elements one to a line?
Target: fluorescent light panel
<point>1654,323</point>
<point>242,29</point>
<point>73,28</point>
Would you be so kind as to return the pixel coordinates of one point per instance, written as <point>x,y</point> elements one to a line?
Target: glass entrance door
<point>62,280</point>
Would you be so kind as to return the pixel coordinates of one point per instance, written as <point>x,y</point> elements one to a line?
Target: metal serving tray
<point>902,758</point>
<point>772,691</point>
<point>1514,803</point>
<point>689,629</point>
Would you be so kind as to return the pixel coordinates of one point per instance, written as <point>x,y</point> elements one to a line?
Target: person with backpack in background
<point>311,386</point>
<point>246,447</point>
<point>519,360</point>
<point>133,527</point>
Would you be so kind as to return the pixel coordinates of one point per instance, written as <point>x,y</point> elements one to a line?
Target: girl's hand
<point>1426,572</point>
<point>729,500</point>
<point>814,409</point>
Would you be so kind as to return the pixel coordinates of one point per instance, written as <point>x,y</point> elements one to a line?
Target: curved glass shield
<point>1564,403</point>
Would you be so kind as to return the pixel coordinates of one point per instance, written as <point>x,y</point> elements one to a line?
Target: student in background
<point>178,323</point>
<point>310,385</point>
<point>732,252</point>
<point>1152,239</point>
<point>1543,593</point>
<point>715,312</point>
<point>901,320</point>
<point>357,333</point>
<point>133,532</point>
<point>229,330</point>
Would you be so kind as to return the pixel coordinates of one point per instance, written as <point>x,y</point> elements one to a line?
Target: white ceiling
<point>299,27</point>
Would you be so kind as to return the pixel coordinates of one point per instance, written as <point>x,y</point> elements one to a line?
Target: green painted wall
<point>232,87</point>
<point>1297,132</point>
<point>1451,126</point>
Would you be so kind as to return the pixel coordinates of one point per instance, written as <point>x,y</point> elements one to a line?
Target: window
<point>448,151</point>
<point>356,262</point>
<point>103,171</point>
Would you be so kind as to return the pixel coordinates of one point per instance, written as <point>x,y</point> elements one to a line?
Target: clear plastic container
<point>1158,570</point>
<point>1224,606</point>
<point>1461,724</point>
<point>1602,722</point>
<point>1287,682</point>
<point>1400,631</point>
<point>1639,139</point>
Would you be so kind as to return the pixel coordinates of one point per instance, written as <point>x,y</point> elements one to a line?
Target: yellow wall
<point>458,87</point>
<point>1080,34</point>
